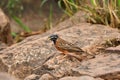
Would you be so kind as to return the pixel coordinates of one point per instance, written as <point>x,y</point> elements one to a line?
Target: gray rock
<point>101,66</point>
<point>79,78</point>
<point>46,77</point>
<point>32,77</point>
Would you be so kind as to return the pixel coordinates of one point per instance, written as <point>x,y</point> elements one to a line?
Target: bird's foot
<point>65,56</point>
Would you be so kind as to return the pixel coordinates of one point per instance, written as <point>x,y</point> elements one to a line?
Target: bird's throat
<point>54,41</point>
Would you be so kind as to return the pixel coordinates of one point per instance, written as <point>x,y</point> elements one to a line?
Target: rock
<point>101,66</point>
<point>32,77</point>
<point>5,30</point>
<point>41,57</point>
<point>21,70</point>
<point>6,76</point>
<point>79,78</point>
<point>46,77</point>
<point>60,65</point>
<point>113,49</point>
<point>3,67</point>
<point>78,17</point>
<point>2,45</point>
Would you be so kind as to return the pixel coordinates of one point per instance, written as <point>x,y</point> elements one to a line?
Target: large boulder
<point>5,29</point>
<point>80,78</point>
<point>37,55</point>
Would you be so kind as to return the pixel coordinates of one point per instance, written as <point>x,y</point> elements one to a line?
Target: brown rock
<point>2,45</point>
<point>101,66</point>
<point>38,52</point>
<point>46,77</point>
<point>5,30</point>
<point>60,65</point>
<point>5,76</point>
<point>3,67</point>
<point>21,70</point>
<point>32,77</point>
<point>78,17</point>
<point>79,78</point>
<point>113,49</point>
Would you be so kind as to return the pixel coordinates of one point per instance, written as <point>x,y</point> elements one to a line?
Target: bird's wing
<point>62,44</point>
<point>73,48</point>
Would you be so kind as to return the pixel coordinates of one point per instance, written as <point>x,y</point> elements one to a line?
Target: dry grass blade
<point>104,12</point>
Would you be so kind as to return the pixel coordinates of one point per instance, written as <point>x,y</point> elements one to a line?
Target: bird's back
<point>63,45</point>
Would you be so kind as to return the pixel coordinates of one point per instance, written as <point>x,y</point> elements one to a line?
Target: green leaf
<point>14,34</point>
<point>60,5</point>
<point>43,2</point>
<point>23,26</point>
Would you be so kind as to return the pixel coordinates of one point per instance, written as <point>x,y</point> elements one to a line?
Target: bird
<point>66,47</point>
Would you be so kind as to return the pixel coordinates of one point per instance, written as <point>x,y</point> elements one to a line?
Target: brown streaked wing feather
<point>64,45</point>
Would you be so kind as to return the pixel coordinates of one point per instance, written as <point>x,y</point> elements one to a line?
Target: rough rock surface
<point>104,64</point>
<point>6,76</point>
<point>32,77</point>
<point>46,77</point>
<point>5,37</point>
<point>3,67</point>
<point>37,55</point>
<point>80,78</point>
<point>2,45</point>
<point>5,30</point>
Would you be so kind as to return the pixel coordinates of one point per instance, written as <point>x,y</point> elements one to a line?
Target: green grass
<point>21,24</point>
<point>106,12</point>
<point>14,7</point>
<point>50,17</point>
<point>69,6</point>
<point>13,34</point>
<point>48,24</point>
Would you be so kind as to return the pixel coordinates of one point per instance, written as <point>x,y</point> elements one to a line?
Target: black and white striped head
<point>53,37</point>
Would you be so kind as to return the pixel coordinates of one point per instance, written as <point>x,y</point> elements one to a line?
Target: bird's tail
<point>81,57</point>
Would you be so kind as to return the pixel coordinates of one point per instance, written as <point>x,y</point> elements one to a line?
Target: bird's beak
<point>48,38</point>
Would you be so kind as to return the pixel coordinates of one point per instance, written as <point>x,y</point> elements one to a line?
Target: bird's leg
<point>70,56</point>
<point>65,56</point>
<point>78,57</point>
<point>62,53</point>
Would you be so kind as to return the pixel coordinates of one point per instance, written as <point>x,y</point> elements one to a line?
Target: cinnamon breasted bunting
<point>66,47</point>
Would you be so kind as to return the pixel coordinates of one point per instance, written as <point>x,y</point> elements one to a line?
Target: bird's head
<point>53,37</point>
